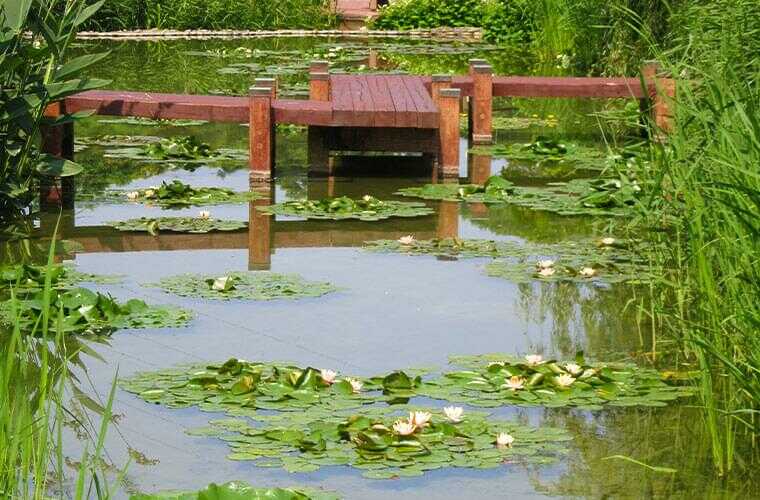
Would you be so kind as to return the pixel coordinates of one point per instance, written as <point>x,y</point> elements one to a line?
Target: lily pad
<point>367,208</point>
<point>238,490</point>
<point>545,150</point>
<point>177,225</point>
<point>27,277</point>
<point>177,194</point>
<point>241,285</point>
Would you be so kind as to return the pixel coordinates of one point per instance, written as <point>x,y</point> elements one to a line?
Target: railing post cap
<point>456,93</point>
<point>265,81</point>
<point>477,62</point>
<point>482,68</point>
<point>442,78</point>
<point>319,76</point>
<point>260,91</point>
<point>318,66</point>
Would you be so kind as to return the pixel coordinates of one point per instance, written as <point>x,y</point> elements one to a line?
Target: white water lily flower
<point>547,272</point>
<point>356,385</point>
<point>406,240</point>
<point>515,383</point>
<point>420,418</point>
<point>589,372</point>
<point>133,195</point>
<point>504,440</point>
<point>204,214</point>
<point>608,241</point>
<point>565,380</point>
<point>404,428</point>
<point>454,413</point>
<point>328,376</point>
<point>149,193</point>
<point>574,369</point>
<point>220,284</point>
<point>587,272</point>
<point>534,359</point>
<point>545,264</point>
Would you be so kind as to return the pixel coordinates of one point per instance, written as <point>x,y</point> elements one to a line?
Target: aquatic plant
<point>367,208</point>
<point>177,194</point>
<point>150,122</point>
<point>495,190</point>
<point>544,150</point>
<point>26,277</point>
<point>384,443</point>
<point>177,225</point>
<point>241,285</point>
<point>238,490</point>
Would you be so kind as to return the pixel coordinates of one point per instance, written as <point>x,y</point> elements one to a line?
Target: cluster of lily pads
<point>204,223</point>
<point>29,277</point>
<point>605,260</point>
<point>544,150</point>
<point>244,285</point>
<point>238,490</point>
<point>367,208</point>
<point>184,150</point>
<point>177,194</point>
<point>503,122</point>
<point>600,197</point>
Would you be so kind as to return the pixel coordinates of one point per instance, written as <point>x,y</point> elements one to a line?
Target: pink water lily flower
<point>404,428</point>
<point>328,376</point>
<point>420,418</point>
<point>514,383</point>
<point>534,359</point>
<point>204,214</point>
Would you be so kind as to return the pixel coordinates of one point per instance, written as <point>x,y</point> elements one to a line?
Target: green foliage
<point>30,277</point>
<point>212,14</point>
<point>367,208</point>
<point>544,150</point>
<point>504,21</point>
<point>35,71</point>
<point>372,441</point>
<point>494,380</point>
<point>84,312</point>
<point>177,194</point>
<point>181,148</point>
<point>238,490</point>
<point>177,225</point>
<point>251,286</point>
<point>496,190</point>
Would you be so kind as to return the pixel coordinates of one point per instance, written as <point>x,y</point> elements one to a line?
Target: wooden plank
<point>161,106</point>
<point>385,112</point>
<point>406,111</point>
<point>343,103</point>
<point>568,87</point>
<point>301,112</point>
<point>363,104</point>
<point>427,111</point>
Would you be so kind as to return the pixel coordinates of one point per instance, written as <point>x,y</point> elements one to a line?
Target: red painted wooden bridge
<point>381,113</point>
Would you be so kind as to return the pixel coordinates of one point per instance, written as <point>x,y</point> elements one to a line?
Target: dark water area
<point>392,311</point>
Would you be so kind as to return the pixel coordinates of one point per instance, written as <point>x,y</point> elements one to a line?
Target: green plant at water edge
<point>201,224</point>
<point>238,490</point>
<point>503,21</point>
<point>386,444</point>
<point>367,208</point>
<point>84,312</point>
<point>177,194</point>
<point>182,148</point>
<point>495,380</point>
<point>240,285</point>
<point>35,71</point>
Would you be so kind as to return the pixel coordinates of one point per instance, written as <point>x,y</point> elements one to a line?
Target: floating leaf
<point>367,208</point>
<point>177,225</point>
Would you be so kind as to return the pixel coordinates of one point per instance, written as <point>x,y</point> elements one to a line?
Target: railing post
<point>439,82</point>
<point>482,104</point>
<point>470,100</point>
<point>661,97</point>
<point>261,134</point>
<point>319,90</point>
<point>57,141</point>
<point>448,131</point>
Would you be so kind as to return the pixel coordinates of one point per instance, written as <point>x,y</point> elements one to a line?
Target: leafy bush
<point>502,20</point>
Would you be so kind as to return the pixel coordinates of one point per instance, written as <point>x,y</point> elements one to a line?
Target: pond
<point>389,310</point>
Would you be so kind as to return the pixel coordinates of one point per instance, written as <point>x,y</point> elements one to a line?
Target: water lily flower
<point>547,272</point>
<point>608,241</point>
<point>565,380</point>
<point>328,376</point>
<point>574,369</point>
<point>514,383</point>
<point>133,195</point>
<point>454,413</point>
<point>504,440</point>
<point>404,428</point>
<point>149,193</point>
<point>420,418</point>
<point>356,385</point>
<point>406,240</point>
<point>588,372</point>
<point>587,272</point>
<point>545,264</point>
<point>204,214</point>
<point>220,284</point>
<point>534,359</point>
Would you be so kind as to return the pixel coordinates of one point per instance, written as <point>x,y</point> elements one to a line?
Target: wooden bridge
<point>374,112</point>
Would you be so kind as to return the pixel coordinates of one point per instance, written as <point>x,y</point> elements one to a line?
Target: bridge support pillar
<point>659,105</point>
<point>448,132</point>
<point>261,134</point>
<point>58,141</point>
<point>481,104</point>
<point>260,232</point>
<point>318,151</point>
